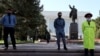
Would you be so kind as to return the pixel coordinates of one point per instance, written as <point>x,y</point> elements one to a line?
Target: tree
<point>98,27</point>
<point>28,14</point>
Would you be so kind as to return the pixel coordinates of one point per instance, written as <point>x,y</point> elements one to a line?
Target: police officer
<point>89,29</point>
<point>9,21</point>
<point>59,25</point>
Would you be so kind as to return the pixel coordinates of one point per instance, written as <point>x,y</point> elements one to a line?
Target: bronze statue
<point>73,13</point>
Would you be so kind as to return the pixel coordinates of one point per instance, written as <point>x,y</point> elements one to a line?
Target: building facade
<point>50,16</point>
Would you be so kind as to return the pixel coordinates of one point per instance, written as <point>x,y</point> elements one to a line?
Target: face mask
<point>59,16</point>
<point>9,13</point>
<point>88,19</point>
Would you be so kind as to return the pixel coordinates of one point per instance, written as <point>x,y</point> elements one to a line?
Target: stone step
<point>44,54</point>
<point>43,51</point>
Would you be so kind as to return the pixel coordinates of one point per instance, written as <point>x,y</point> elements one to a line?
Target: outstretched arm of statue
<point>70,7</point>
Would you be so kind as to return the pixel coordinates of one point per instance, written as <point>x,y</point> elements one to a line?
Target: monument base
<point>73,31</point>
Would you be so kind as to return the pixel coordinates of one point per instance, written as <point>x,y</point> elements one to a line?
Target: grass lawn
<point>1,41</point>
<point>17,41</point>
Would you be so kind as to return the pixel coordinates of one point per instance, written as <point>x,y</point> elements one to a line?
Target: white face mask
<point>88,19</point>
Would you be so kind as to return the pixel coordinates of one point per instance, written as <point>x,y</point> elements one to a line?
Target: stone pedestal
<point>73,31</point>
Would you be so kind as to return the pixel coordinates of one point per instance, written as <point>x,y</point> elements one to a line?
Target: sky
<point>92,6</point>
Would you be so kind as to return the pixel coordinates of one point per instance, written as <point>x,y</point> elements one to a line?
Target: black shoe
<point>14,48</point>
<point>92,52</point>
<point>47,42</point>
<point>86,52</point>
<point>6,48</point>
<point>58,48</point>
<point>65,48</point>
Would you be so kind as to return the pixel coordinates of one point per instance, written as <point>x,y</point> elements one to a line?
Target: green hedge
<point>98,33</point>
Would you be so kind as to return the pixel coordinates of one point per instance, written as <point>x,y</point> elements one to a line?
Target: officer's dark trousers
<point>11,31</point>
<point>86,51</point>
<point>60,34</point>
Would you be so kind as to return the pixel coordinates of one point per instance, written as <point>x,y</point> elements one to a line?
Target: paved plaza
<point>49,46</point>
<point>44,49</point>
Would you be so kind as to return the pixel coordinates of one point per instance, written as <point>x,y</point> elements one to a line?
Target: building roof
<point>53,13</point>
<point>65,14</point>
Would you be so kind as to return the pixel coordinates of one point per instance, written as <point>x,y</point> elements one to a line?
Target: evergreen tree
<point>28,14</point>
